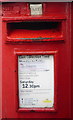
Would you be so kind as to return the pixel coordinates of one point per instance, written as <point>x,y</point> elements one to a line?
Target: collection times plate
<point>36,81</point>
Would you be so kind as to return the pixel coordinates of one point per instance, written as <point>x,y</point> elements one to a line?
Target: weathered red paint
<point>72,60</point>
<point>20,12</point>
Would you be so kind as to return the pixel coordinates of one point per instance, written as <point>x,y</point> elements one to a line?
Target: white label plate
<point>36,81</point>
<point>36,9</point>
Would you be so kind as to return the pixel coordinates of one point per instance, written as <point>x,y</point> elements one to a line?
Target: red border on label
<point>52,109</point>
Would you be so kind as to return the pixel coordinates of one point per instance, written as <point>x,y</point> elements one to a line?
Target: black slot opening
<point>35,25</point>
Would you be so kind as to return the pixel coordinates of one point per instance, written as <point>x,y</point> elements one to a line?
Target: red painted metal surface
<point>19,12</point>
<point>0,64</point>
<point>72,60</point>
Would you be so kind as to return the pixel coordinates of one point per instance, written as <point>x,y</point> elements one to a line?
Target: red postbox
<point>36,59</point>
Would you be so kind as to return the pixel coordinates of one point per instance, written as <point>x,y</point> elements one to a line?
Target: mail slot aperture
<point>34,31</point>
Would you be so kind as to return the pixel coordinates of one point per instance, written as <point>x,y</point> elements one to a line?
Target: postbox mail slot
<point>34,31</point>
